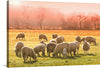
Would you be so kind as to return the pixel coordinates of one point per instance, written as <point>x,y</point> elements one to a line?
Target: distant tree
<point>81,19</point>
<point>95,18</point>
<point>63,22</point>
<point>41,17</point>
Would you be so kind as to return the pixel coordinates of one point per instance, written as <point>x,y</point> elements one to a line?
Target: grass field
<point>31,40</point>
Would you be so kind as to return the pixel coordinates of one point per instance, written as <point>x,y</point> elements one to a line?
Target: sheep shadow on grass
<point>30,62</point>
<point>87,55</point>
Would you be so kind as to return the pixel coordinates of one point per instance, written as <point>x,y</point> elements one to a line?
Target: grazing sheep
<point>28,52</point>
<point>89,39</point>
<point>59,49</point>
<point>53,40</point>
<point>86,46</point>
<point>72,46</point>
<point>78,38</point>
<point>40,48</point>
<point>50,47</point>
<point>64,53</point>
<point>42,36</point>
<point>18,47</point>
<point>54,36</point>
<point>60,39</point>
<point>20,35</point>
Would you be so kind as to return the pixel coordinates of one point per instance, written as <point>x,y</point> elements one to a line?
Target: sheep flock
<point>56,47</point>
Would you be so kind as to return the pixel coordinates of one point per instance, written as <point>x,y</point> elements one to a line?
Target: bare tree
<point>61,17</point>
<point>41,17</point>
<point>81,19</point>
<point>95,18</point>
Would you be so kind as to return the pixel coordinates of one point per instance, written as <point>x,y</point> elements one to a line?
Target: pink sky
<point>63,6</point>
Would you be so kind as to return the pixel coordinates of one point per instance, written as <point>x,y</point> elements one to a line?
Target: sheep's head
<point>85,42</point>
<point>34,57</point>
<point>54,55</point>
<point>83,39</point>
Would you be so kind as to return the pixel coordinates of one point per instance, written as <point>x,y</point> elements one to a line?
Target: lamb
<point>50,47</point>
<point>74,46</point>
<point>53,40</point>
<point>78,38</point>
<point>28,52</point>
<point>18,47</point>
<point>54,36</point>
<point>64,53</point>
<point>20,35</point>
<point>86,46</point>
<point>59,49</point>
<point>42,36</point>
<point>60,39</point>
<point>89,39</point>
<point>40,48</point>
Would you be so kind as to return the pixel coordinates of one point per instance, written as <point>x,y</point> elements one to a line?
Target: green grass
<point>32,39</point>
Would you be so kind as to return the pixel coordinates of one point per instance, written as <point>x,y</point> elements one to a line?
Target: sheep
<point>59,49</point>
<point>18,47</point>
<point>64,53</point>
<point>42,36</point>
<point>85,46</point>
<point>77,46</point>
<point>50,47</point>
<point>60,39</point>
<point>28,52</point>
<point>89,39</point>
<point>78,38</point>
<point>53,40</point>
<point>54,36</point>
<point>20,35</point>
<point>74,46</point>
<point>40,48</point>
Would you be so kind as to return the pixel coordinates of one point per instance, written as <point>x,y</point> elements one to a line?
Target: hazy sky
<point>63,6</point>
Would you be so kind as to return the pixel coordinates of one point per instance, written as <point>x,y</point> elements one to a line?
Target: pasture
<point>31,39</point>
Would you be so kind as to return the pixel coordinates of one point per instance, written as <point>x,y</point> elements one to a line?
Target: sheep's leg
<point>77,50</point>
<point>59,54</point>
<point>16,53</point>
<point>38,54</point>
<point>49,54</point>
<point>70,53</point>
<point>24,57</point>
<point>84,52</point>
<point>43,53</point>
<point>30,59</point>
<point>74,52</point>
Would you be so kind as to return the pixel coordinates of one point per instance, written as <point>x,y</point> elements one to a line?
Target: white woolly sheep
<point>40,48</point>
<point>50,47</point>
<point>28,52</point>
<point>59,49</point>
<point>42,36</point>
<point>86,46</point>
<point>18,47</point>
<point>64,53</point>
<point>53,40</point>
<point>89,39</point>
<point>54,36</point>
<point>20,35</point>
<point>60,39</point>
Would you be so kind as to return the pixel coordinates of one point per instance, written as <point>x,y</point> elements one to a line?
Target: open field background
<point>31,40</point>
